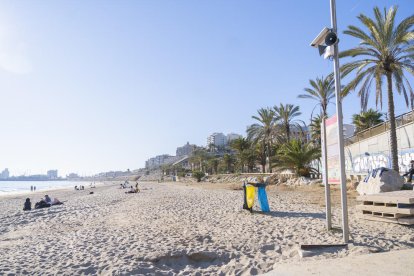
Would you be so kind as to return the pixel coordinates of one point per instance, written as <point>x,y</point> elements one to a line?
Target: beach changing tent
<point>249,191</point>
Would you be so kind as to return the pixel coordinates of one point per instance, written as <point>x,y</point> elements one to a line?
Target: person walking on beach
<point>31,188</point>
<point>410,172</point>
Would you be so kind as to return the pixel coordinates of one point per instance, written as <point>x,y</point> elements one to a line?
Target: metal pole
<point>325,177</point>
<point>345,227</point>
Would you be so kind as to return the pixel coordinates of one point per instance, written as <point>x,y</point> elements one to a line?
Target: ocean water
<point>7,187</point>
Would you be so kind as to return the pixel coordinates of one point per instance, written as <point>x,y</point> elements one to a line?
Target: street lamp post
<point>345,226</point>
<point>327,44</point>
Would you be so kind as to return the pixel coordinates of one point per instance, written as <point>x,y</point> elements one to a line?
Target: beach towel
<point>262,198</point>
<point>250,196</point>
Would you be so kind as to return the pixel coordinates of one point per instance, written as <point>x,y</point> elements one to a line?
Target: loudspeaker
<point>331,39</point>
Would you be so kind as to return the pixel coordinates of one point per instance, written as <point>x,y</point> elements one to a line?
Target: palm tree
<point>228,161</point>
<point>213,164</point>
<point>285,116</point>
<point>198,157</point>
<point>242,146</point>
<point>259,151</point>
<point>366,119</point>
<point>386,51</point>
<point>315,128</point>
<point>322,90</point>
<point>297,156</point>
<point>263,131</point>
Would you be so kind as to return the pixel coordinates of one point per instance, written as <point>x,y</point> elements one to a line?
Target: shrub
<point>198,175</point>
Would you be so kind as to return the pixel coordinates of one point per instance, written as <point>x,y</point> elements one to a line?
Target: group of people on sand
<point>45,202</point>
<point>132,190</point>
<point>32,188</point>
<point>79,188</point>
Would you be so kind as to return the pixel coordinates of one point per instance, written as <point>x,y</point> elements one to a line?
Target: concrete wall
<point>374,152</point>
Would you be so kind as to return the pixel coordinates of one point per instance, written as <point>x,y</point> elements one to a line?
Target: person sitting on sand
<point>131,191</point>
<point>410,172</point>
<point>42,204</point>
<point>27,205</point>
<point>55,201</point>
<point>48,199</point>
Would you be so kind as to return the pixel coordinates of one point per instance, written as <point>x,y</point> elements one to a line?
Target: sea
<point>18,187</point>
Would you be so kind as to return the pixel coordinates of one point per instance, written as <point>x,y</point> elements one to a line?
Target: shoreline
<point>17,193</point>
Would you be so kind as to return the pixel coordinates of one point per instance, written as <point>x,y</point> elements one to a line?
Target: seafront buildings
<point>187,149</point>
<point>52,174</point>
<point>5,174</point>
<point>217,139</point>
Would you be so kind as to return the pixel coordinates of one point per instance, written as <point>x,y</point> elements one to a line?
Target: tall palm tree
<point>367,119</point>
<point>321,90</point>
<point>386,51</point>
<point>285,116</point>
<point>242,146</point>
<point>263,131</point>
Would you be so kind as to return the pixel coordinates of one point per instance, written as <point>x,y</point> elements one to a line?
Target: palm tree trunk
<point>393,129</point>
<point>268,158</point>
<point>288,132</point>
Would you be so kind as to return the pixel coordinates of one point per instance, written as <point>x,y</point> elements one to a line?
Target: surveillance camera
<point>325,37</point>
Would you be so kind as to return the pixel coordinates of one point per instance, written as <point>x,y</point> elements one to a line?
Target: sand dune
<point>173,229</point>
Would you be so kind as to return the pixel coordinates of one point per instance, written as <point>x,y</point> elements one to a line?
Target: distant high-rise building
<point>217,139</point>
<point>5,174</point>
<point>187,149</point>
<point>72,176</point>
<point>52,174</point>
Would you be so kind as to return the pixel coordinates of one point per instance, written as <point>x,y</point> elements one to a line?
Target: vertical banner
<point>332,154</point>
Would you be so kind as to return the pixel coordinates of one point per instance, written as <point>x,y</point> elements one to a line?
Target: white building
<point>52,174</point>
<point>217,139</point>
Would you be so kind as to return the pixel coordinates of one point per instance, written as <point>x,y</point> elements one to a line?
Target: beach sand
<point>172,228</point>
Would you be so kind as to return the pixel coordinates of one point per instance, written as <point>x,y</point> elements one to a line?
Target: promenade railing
<point>400,120</point>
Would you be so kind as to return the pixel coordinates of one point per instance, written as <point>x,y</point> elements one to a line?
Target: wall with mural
<point>374,152</point>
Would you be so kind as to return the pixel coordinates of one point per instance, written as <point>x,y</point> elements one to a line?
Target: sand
<point>176,229</point>
<point>389,263</point>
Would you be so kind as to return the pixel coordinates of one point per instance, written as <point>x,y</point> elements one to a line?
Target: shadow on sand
<point>282,214</point>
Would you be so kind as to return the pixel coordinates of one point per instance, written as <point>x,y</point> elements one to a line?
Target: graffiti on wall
<point>367,162</point>
<point>404,160</point>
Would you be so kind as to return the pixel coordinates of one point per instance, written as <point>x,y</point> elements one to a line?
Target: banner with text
<point>332,150</point>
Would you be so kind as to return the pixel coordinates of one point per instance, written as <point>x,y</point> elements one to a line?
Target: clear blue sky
<point>90,86</point>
